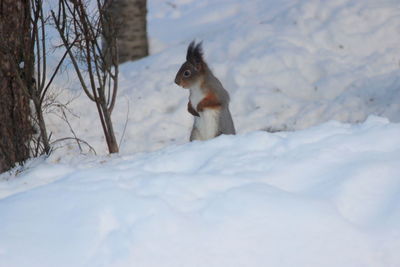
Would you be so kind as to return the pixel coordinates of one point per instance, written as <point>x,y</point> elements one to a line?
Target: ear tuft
<point>195,53</point>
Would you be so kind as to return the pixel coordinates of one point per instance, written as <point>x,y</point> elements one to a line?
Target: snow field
<point>328,195</point>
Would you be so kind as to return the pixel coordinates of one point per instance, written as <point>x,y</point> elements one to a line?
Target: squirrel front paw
<point>192,110</point>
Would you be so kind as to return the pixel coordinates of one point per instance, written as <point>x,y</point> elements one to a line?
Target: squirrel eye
<point>186,73</point>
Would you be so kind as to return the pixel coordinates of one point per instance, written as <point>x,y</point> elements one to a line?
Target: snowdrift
<point>326,196</point>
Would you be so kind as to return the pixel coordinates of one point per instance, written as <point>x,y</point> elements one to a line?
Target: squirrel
<point>208,100</point>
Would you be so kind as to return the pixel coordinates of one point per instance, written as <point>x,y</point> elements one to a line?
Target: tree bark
<point>130,27</point>
<point>15,51</point>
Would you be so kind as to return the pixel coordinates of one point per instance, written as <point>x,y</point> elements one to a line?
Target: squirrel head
<point>192,70</point>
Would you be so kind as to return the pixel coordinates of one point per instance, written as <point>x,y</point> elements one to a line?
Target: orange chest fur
<point>198,101</point>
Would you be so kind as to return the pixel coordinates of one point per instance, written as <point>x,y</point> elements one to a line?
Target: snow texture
<point>312,178</point>
<point>325,196</point>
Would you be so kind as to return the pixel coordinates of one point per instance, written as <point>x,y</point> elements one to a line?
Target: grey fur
<point>225,125</point>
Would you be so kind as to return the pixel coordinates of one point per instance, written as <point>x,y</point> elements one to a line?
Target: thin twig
<point>70,127</point>
<point>76,139</point>
<point>125,125</point>
<point>56,70</point>
<point>43,41</point>
<point>75,64</point>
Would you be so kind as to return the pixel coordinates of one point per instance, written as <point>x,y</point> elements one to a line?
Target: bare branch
<point>75,64</point>
<point>75,21</point>
<point>115,89</point>
<point>43,42</point>
<point>78,140</point>
<point>55,71</point>
<point>126,123</point>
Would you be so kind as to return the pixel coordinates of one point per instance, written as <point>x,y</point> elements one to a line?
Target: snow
<point>325,196</point>
<point>311,179</point>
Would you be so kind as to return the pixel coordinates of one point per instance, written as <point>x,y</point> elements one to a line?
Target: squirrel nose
<point>177,80</point>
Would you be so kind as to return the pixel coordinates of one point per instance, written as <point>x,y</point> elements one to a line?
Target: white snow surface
<point>325,196</point>
<point>311,179</point>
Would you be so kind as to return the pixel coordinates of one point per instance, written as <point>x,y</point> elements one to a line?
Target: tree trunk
<point>15,50</point>
<point>130,27</point>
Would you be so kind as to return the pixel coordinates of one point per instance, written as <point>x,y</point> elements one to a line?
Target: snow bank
<point>325,196</point>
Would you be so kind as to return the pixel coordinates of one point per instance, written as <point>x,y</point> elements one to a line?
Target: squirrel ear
<point>195,53</point>
<point>189,53</point>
